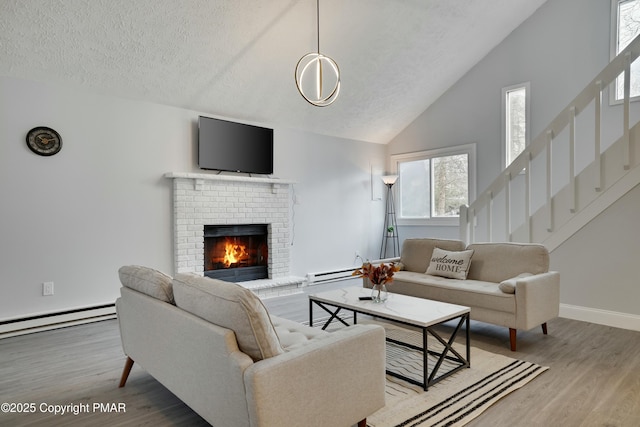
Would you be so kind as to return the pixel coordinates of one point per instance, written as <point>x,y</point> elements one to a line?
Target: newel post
<point>464,223</point>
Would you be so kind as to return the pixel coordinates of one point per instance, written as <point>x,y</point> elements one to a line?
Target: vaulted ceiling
<point>235,59</point>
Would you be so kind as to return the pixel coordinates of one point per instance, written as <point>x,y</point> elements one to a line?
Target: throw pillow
<point>509,286</point>
<point>450,264</point>
<point>148,281</point>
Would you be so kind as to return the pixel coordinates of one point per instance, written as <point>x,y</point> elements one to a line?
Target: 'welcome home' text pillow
<point>450,264</point>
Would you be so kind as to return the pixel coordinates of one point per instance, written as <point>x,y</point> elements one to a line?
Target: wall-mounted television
<point>234,147</point>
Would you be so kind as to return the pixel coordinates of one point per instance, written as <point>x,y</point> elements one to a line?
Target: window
<point>625,26</point>
<point>515,126</point>
<point>433,184</point>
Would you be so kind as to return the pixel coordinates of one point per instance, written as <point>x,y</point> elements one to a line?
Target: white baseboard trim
<point>601,317</point>
<point>47,322</point>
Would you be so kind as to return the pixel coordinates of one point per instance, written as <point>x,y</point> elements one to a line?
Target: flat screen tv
<point>234,147</point>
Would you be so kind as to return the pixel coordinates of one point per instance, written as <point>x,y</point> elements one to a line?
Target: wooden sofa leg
<point>544,328</point>
<point>125,372</point>
<point>362,423</point>
<point>512,338</point>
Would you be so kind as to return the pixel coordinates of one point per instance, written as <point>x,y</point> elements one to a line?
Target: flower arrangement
<point>379,275</point>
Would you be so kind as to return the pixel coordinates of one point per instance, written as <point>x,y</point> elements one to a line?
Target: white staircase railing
<point>536,202</point>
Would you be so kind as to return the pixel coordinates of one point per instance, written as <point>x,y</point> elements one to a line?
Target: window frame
<point>395,159</point>
<point>527,106</point>
<point>613,48</point>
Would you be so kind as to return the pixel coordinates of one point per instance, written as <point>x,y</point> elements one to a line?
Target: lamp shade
<point>389,179</point>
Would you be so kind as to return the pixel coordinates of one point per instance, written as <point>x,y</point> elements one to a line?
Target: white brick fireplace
<point>208,199</point>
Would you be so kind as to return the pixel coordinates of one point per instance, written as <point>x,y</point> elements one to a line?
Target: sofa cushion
<point>416,253</point>
<point>495,262</point>
<point>233,307</point>
<point>509,286</point>
<point>148,281</point>
<point>470,293</point>
<point>293,335</point>
<point>453,264</point>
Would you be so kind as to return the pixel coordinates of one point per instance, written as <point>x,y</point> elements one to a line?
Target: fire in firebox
<point>234,254</point>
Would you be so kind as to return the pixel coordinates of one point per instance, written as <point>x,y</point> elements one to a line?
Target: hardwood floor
<point>593,380</point>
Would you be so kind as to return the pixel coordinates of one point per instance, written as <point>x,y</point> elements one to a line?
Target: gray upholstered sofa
<point>214,345</point>
<point>507,284</point>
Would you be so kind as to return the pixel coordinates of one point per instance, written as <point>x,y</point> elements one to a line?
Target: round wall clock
<point>44,141</point>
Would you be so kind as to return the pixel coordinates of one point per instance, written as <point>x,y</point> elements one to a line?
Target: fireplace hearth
<point>236,252</point>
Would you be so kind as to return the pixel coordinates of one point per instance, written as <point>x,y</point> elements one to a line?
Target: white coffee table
<point>417,312</point>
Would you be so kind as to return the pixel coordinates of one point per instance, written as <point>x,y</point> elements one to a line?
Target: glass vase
<point>379,293</point>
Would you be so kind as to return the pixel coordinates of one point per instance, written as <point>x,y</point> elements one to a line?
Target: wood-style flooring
<point>593,380</point>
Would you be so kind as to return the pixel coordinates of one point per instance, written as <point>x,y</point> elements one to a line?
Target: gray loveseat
<point>507,284</point>
<point>214,345</point>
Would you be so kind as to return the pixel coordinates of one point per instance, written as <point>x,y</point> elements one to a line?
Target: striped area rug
<point>457,399</point>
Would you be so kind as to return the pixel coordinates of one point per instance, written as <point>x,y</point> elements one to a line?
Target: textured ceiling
<point>236,58</point>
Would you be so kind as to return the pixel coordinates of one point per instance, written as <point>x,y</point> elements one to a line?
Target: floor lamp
<point>390,229</point>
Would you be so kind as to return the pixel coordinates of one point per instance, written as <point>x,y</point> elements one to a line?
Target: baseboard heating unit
<point>341,273</point>
<point>329,276</point>
<point>62,319</point>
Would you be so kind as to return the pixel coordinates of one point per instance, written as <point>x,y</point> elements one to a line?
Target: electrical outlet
<point>47,288</point>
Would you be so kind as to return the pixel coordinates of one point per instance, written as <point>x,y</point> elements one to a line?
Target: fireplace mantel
<point>219,177</point>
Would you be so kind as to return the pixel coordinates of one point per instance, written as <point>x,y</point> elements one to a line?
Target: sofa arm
<point>337,380</point>
<point>537,299</point>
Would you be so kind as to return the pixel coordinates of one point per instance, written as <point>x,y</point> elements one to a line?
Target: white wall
<point>559,50</point>
<point>334,215</point>
<point>102,202</point>
<point>599,264</point>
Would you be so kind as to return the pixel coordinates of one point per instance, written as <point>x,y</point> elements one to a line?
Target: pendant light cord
<point>318,23</point>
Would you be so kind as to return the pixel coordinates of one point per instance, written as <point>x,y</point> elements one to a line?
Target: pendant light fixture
<point>317,75</point>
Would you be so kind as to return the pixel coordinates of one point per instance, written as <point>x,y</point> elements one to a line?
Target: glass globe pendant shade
<point>318,79</point>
